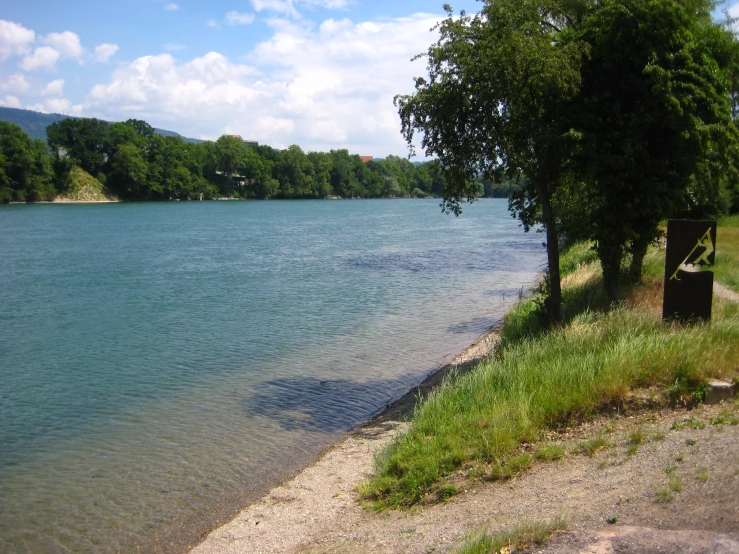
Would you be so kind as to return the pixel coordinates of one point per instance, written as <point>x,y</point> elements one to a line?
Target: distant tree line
<point>135,163</point>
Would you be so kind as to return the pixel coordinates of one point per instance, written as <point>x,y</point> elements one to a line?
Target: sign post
<point>691,251</point>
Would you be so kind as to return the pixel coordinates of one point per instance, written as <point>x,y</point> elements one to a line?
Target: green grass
<point>592,445</point>
<point>526,535</point>
<point>692,422</point>
<point>663,495</point>
<point>675,483</point>
<point>542,379</point>
<point>726,270</point>
<point>701,474</point>
<point>550,452</point>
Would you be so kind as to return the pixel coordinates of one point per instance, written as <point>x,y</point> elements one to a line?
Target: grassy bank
<point>727,253</point>
<point>491,421</point>
<point>83,187</point>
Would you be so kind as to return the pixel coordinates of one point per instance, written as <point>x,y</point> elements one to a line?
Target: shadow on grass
<point>582,292</point>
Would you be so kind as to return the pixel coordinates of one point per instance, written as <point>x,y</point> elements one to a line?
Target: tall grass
<point>726,269</point>
<point>522,536</point>
<point>546,379</point>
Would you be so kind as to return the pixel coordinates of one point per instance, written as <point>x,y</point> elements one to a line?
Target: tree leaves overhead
<point>612,115</point>
<point>493,104</point>
<point>654,114</point>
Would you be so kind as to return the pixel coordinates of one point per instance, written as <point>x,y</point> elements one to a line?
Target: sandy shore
<point>67,201</point>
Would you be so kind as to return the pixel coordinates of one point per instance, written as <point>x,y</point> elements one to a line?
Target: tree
<point>25,166</point>
<point>343,176</point>
<point>654,114</point>
<point>82,140</point>
<point>129,172</point>
<point>294,171</point>
<point>494,104</point>
<point>322,165</point>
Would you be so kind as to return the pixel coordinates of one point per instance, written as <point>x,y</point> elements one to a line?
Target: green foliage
<point>592,445</point>
<point>25,169</point>
<point>688,388</point>
<point>654,117</point>
<point>136,162</point>
<point>608,116</point>
<point>492,107</point>
<point>550,452</point>
<point>726,270</point>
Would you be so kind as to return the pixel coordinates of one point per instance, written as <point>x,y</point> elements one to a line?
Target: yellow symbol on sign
<point>701,261</point>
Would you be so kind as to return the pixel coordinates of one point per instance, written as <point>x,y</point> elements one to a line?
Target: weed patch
<point>701,474</point>
<point>675,483</point>
<point>550,452</point>
<point>523,536</point>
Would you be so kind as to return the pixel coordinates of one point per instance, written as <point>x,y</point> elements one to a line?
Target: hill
<point>80,186</point>
<point>35,123</point>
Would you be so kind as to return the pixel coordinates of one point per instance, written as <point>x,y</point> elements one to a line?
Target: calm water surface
<point>162,363</point>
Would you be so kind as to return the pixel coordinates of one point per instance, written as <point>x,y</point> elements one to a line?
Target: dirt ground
<point>679,492</point>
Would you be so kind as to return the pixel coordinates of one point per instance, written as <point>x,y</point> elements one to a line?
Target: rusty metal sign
<point>691,252</point>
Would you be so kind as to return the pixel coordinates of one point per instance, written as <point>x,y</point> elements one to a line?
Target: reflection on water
<point>162,361</point>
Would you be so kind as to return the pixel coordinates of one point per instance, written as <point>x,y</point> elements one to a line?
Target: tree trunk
<point>638,252</point>
<point>554,302</point>
<point>610,261</point>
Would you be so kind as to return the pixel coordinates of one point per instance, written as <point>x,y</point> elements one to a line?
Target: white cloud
<point>14,84</point>
<point>15,40</point>
<point>105,51</point>
<point>284,7</point>
<point>236,18</point>
<point>330,87</point>
<point>57,105</point>
<point>733,12</point>
<point>43,57</point>
<point>173,47</point>
<point>10,102</point>
<point>66,43</point>
<point>171,7</point>
<point>54,88</point>
<point>213,24</point>
<point>290,7</point>
<point>330,4</point>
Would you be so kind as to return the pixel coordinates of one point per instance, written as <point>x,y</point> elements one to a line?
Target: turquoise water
<point>160,364</point>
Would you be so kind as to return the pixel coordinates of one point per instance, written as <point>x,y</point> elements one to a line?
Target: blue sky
<point>317,73</point>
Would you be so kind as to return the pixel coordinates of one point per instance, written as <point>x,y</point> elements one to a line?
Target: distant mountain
<point>35,123</point>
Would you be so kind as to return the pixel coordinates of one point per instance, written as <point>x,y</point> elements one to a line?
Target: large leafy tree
<point>25,167</point>
<point>84,141</point>
<point>654,114</point>
<point>494,103</point>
